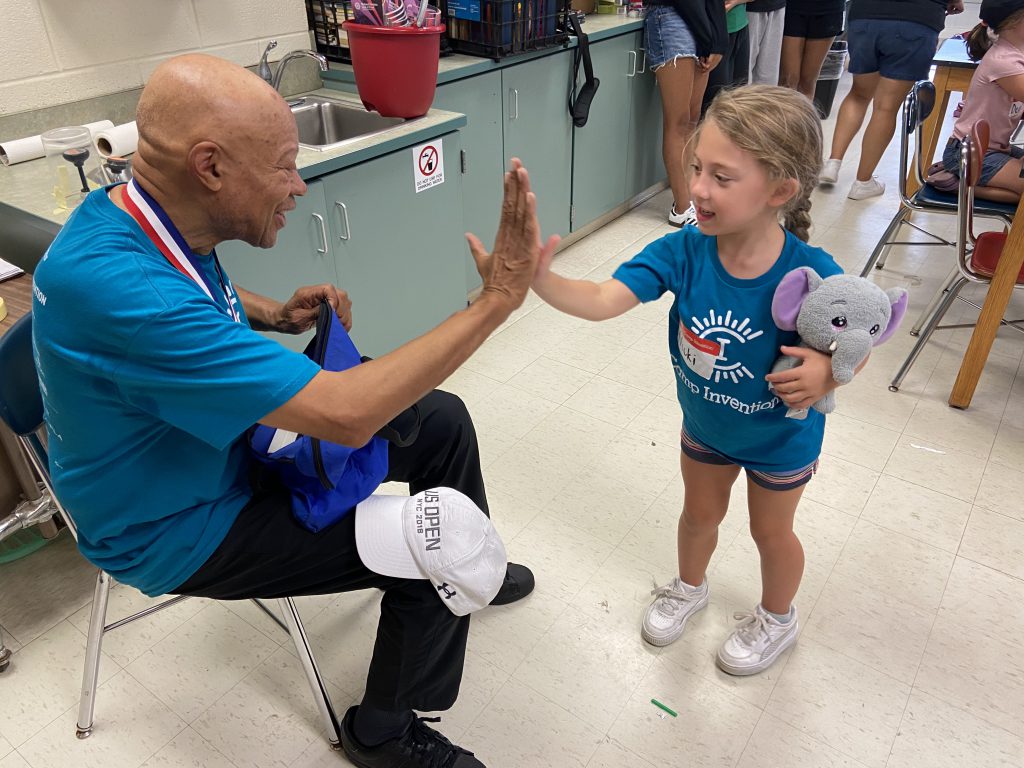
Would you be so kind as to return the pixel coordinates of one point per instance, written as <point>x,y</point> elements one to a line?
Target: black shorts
<point>813,26</point>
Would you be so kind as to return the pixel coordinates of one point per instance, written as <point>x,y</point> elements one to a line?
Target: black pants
<point>421,645</point>
<point>732,70</point>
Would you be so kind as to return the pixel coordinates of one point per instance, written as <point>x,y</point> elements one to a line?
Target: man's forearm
<point>263,313</point>
<point>349,407</point>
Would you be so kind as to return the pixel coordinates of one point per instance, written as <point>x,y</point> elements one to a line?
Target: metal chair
<point>21,408</point>
<point>916,108</point>
<point>977,256</point>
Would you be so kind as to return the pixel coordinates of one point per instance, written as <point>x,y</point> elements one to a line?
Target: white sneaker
<point>757,642</point>
<point>829,172</point>
<point>862,190</point>
<point>687,217</point>
<point>673,604</point>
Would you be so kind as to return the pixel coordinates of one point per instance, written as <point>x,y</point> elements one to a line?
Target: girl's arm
<point>1013,85</point>
<point>582,298</point>
<point>803,386</point>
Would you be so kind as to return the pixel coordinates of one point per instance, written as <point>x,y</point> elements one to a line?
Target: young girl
<point>996,94</point>
<point>756,160</point>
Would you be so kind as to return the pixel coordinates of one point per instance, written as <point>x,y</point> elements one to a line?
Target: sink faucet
<point>275,78</point>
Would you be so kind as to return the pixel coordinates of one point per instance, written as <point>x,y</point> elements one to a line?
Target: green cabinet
<point>482,158</point>
<point>644,164</point>
<point>398,253</point>
<point>300,257</point>
<point>617,154</point>
<point>538,130</point>
<point>600,147</point>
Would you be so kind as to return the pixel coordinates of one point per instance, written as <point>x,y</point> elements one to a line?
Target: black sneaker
<point>518,584</point>
<point>419,747</point>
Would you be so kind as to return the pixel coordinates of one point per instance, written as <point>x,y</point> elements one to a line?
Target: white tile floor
<point>914,531</point>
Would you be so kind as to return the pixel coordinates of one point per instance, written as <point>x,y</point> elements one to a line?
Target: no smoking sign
<point>428,165</point>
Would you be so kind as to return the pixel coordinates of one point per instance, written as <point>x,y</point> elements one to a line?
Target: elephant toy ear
<point>898,298</point>
<point>790,294</point>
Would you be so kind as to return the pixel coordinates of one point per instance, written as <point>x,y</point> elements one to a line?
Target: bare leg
<point>782,557</point>
<point>789,61</point>
<point>852,112</point>
<point>882,125</point>
<point>1008,180</point>
<point>678,83</point>
<point>705,502</point>
<point>810,66</point>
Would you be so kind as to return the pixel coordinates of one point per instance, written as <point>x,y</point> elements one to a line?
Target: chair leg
<point>5,654</point>
<point>929,329</point>
<point>90,677</point>
<point>881,251</point>
<point>936,298</point>
<point>316,682</point>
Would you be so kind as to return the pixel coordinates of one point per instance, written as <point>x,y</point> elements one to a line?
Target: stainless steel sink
<point>326,123</point>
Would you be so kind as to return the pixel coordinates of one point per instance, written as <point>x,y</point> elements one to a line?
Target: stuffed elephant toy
<point>842,315</point>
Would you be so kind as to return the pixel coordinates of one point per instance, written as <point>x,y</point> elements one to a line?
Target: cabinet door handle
<point>643,66</point>
<point>344,217</point>
<point>632,63</point>
<point>323,234</point>
<point>514,94</point>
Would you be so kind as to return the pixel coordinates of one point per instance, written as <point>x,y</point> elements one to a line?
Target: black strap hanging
<point>579,101</point>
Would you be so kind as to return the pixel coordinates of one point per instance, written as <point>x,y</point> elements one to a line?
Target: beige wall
<point>61,51</point>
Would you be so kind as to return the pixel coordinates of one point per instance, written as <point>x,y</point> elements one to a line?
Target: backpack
<point>327,480</point>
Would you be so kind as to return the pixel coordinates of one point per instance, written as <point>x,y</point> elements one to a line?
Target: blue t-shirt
<point>723,343</point>
<point>148,386</point>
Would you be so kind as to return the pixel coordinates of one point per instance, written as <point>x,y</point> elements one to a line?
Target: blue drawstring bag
<point>326,480</point>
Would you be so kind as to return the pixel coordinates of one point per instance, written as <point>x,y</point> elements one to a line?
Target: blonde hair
<point>781,129</point>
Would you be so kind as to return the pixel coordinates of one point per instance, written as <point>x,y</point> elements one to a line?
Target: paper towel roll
<point>31,147</point>
<point>119,140</point>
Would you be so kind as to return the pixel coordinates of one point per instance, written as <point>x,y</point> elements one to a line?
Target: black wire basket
<point>325,18</point>
<point>500,28</point>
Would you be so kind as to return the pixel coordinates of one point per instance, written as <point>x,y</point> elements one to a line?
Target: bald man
<point>151,373</point>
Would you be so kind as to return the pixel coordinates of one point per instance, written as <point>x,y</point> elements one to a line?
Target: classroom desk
<point>953,72</point>
<point>17,294</point>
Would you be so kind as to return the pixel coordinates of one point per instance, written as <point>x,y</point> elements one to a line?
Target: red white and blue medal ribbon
<point>158,226</point>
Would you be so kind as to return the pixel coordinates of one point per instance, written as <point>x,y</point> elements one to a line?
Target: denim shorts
<point>896,49</point>
<point>666,36</point>
<point>773,481</point>
<point>991,164</point>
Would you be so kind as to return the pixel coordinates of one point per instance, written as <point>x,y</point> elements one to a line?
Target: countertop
<point>457,66</point>
<point>26,189</point>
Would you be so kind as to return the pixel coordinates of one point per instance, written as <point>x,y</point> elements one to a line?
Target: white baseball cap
<point>439,535</point>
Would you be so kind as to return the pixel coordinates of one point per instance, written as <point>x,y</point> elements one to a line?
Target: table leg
<point>992,312</point>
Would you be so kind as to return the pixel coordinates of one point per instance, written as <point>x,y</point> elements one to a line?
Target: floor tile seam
<point>972,713</point>
<point>909,691</point>
<point>97,702</point>
<point>1013,576</point>
<point>569,712</point>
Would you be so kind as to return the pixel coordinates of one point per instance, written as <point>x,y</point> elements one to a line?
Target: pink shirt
<point>987,101</point>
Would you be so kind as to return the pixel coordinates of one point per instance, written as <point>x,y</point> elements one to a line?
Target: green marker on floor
<point>659,705</point>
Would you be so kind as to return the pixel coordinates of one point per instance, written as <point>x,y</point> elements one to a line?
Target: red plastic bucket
<point>395,67</point>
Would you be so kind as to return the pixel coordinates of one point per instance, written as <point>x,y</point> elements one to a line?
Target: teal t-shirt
<point>723,342</point>
<point>736,19</point>
<point>148,387</point>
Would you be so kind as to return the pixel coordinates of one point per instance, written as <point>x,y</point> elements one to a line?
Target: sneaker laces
<point>668,598</point>
<point>752,626</point>
<point>428,748</point>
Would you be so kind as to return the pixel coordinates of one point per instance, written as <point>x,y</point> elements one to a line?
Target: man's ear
<point>204,161</point>
<point>785,191</point>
